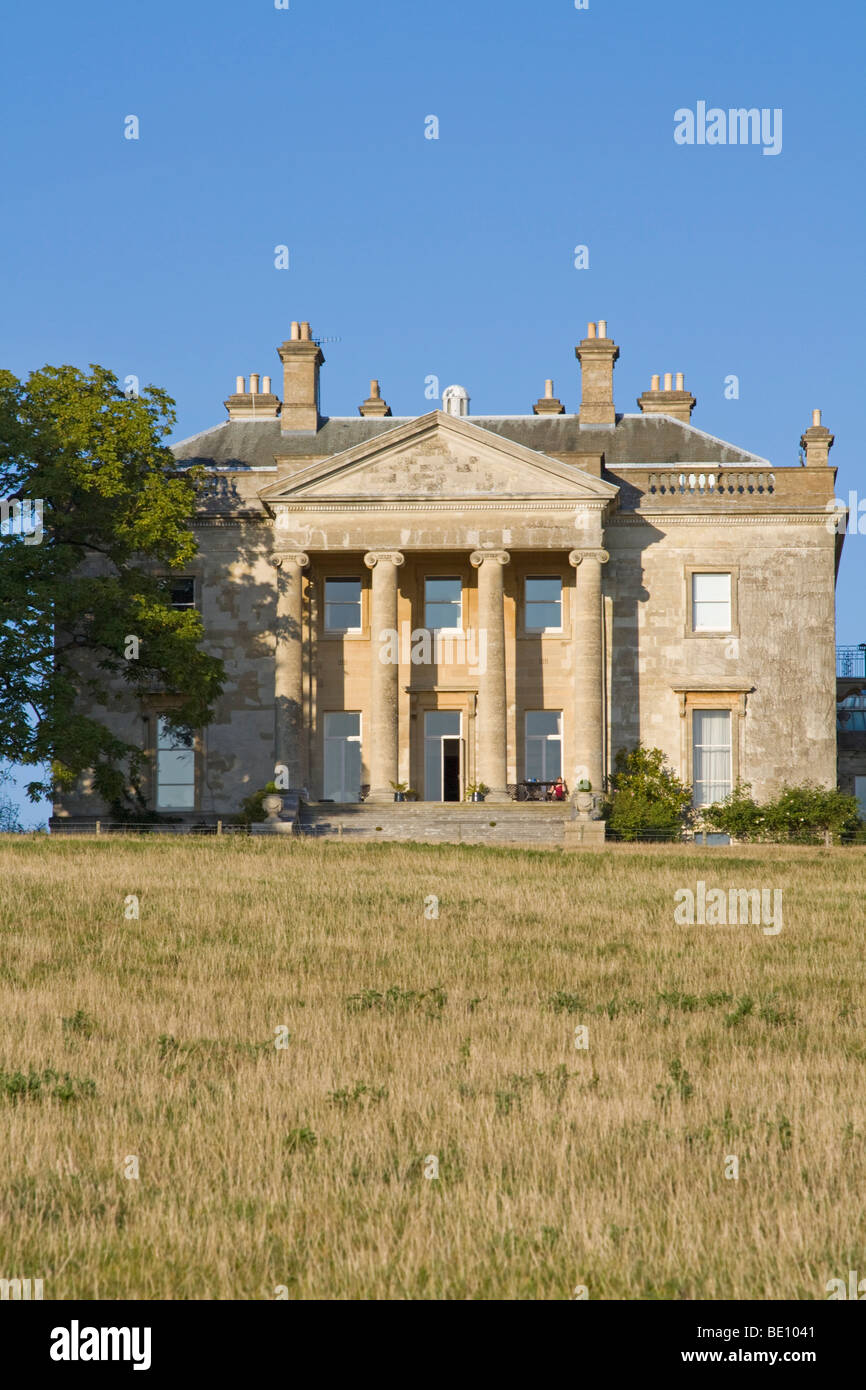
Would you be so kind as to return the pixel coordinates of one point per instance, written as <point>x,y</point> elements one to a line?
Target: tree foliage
<point>804,814</point>
<point>10,821</point>
<point>116,514</point>
<point>646,796</point>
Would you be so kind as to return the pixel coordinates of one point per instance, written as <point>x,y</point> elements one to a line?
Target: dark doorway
<point>450,769</point>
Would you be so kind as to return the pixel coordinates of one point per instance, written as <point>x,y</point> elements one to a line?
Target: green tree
<point>807,814</point>
<point>646,796</point>
<point>9,818</point>
<point>116,515</point>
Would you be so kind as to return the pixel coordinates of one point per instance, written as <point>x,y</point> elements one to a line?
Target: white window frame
<point>528,604</point>
<point>446,631</point>
<point>725,628</point>
<point>184,579</point>
<point>342,739</point>
<point>343,579</point>
<point>162,804</point>
<point>544,740</point>
<point>712,747</point>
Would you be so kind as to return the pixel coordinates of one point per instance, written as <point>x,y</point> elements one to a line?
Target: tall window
<point>343,756</point>
<point>175,769</point>
<point>711,603</point>
<point>851,714</point>
<point>183,593</point>
<point>543,600</point>
<point>543,745</point>
<point>711,755</point>
<point>443,605</point>
<point>342,605</point>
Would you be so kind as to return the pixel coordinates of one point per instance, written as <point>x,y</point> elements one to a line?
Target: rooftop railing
<point>851,661</point>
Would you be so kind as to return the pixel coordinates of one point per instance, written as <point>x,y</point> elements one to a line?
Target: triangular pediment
<point>442,458</point>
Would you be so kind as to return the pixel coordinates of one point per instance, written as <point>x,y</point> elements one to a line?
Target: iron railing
<point>851,661</point>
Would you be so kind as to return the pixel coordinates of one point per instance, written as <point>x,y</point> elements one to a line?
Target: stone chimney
<point>674,400</point>
<point>817,443</point>
<point>597,354</point>
<point>250,403</point>
<point>301,359</point>
<point>374,405</point>
<point>548,404</point>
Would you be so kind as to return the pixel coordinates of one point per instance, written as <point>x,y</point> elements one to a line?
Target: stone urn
<point>585,803</point>
<point>272,805</point>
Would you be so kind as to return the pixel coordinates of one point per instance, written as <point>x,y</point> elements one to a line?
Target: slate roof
<point>638,439</point>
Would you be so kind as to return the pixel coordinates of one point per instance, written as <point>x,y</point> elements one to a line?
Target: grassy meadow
<point>304,1170</point>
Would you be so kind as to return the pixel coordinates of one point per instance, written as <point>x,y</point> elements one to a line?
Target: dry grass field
<point>413,1037</point>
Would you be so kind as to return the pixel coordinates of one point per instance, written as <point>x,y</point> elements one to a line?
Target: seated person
<point>559,791</point>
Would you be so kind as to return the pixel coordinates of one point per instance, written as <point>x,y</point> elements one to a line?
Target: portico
<point>483,600</point>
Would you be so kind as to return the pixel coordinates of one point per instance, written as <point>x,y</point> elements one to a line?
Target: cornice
<point>721,519</point>
<point>466,504</point>
<point>618,519</point>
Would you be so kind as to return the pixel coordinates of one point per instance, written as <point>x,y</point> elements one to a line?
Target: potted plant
<point>476,791</point>
<point>400,790</point>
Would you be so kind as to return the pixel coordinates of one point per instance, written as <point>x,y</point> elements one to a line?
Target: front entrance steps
<point>529,825</point>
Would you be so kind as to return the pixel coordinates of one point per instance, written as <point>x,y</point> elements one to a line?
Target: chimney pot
<point>817,443</point>
<point>668,381</point>
<point>374,405</point>
<point>301,359</point>
<point>654,384</point>
<point>597,355</point>
<point>548,403</point>
<point>680,382</point>
<point>246,404</point>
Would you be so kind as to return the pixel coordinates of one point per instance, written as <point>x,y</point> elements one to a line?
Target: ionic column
<point>289,743</point>
<point>384,728</point>
<point>588,669</point>
<point>492,716</point>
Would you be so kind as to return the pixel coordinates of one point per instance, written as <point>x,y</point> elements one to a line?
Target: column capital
<point>393,557</point>
<point>289,557</point>
<point>577,557</point>
<point>477,558</point>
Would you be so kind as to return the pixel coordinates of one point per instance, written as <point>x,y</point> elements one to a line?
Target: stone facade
<point>626,576</point>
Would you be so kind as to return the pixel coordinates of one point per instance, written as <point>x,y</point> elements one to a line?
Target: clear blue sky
<point>305,127</point>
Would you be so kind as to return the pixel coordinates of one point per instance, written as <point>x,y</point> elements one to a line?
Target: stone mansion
<point>449,600</point>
